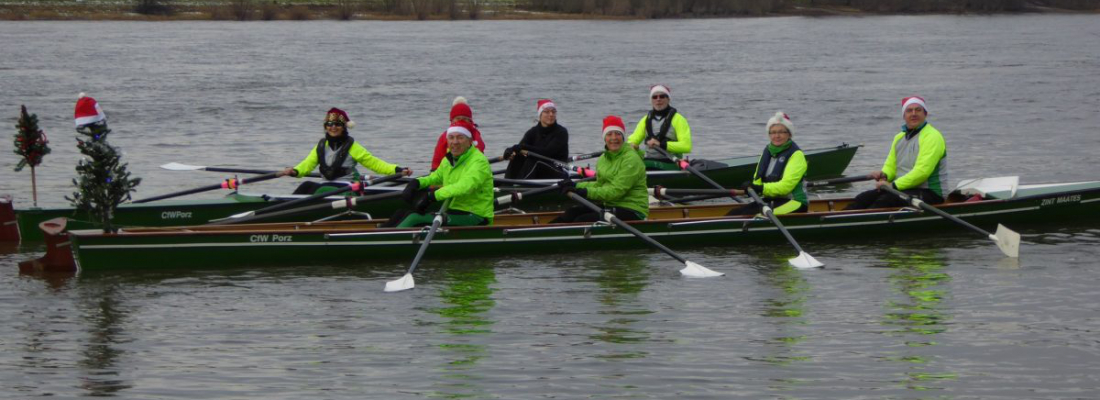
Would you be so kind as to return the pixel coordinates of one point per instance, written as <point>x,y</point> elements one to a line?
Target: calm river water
<point>906,317</point>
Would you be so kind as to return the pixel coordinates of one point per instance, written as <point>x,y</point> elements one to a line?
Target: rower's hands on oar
<point>288,171</point>
<point>877,175</point>
<point>567,186</point>
<point>409,194</point>
<point>511,151</point>
<point>403,171</point>
<point>425,201</point>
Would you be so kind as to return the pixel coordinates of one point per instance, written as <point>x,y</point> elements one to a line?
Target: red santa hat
<point>659,88</point>
<point>88,111</point>
<point>613,123</point>
<point>780,118</point>
<point>913,100</point>
<point>463,128</point>
<point>545,104</point>
<point>459,107</point>
<point>338,115</point>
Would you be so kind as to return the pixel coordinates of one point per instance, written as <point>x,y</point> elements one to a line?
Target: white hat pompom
<point>459,100</point>
<point>81,95</point>
<point>350,124</point>
<point>780,118</point>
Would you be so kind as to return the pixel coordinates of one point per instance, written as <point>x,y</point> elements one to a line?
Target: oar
<point>515,197</point>
<point>231,183</point>
<point>1006,239</point>
<point>519,182</point>
<point>690,269</point>
<point>686,165</point>
<point>803,260</point>
<point>406,282</point>
<point>583,172</point>
<point>837,181</point>
<point>345,203</point>
<point>353,187</point>
<point>174,166</point>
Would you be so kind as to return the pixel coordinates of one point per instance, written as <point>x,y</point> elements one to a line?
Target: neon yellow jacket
<point>791,186</point>
<point>469,182</point>
<point>679,142</point>
<point>358,153</point>
<point>620,181</point>
<point>918,162</point>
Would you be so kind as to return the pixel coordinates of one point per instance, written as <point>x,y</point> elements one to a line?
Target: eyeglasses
<point>330,124</point>
<point>660,96</point>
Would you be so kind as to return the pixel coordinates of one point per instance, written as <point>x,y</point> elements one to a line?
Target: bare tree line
<point>475,9</point>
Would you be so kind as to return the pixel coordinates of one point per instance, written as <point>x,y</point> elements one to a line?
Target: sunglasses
<point>330,124</point>
<point>660,96</point>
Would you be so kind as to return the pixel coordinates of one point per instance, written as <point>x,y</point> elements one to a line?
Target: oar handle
<point>585,156</point>
<point>250,171</point>
<point>838,181</point>
<point>353,187</point>
<point>345,203</point>
<point>231,183</point>
<point>686,165</point>
<point>515,197</point>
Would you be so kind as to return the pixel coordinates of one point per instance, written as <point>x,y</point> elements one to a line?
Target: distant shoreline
<point>78,11</point>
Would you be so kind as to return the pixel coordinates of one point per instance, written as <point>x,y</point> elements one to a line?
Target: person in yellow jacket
<point>463,178</point>
<point>336,155</point>
<point>916,164</point>
<point>662,127</point>
<point>779,173</point>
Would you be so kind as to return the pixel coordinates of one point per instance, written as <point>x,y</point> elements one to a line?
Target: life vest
<point>336,164</point>
<point>770,169</point>
<point>662,133</point>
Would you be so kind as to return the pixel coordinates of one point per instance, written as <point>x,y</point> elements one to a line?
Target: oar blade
<point>404,283</point>
<point>1008,241</point>
<point>805,261</point>
<point>175,166</point>
<point>693,270</point>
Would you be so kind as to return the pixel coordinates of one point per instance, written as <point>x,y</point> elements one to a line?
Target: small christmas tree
<point>30,144</point>
<point>103,183</point>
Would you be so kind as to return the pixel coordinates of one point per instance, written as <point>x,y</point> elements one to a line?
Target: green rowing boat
<point>677,226</point>
<point>22,224</point>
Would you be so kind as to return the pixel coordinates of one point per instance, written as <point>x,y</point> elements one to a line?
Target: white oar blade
<point>405,283</point>
<point>805,261</point>
<point>1008,241</point>
<point>174,166</point>
<point>693,270</point>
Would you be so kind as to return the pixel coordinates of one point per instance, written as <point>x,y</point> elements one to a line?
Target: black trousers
<point>584,214</point>
<point>755,208</point>
<point>875,198</point>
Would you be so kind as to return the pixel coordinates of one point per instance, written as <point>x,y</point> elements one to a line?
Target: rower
<point>463,177</point>
<point>620,184</point>
<point>547,138</point>
<point>779,173</point>
<point>916,165</point>
<point>662,127</point>
<point>337,153</point>
<point>460,111</point>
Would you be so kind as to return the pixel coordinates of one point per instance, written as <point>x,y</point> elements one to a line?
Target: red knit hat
<point>459,107</point>
<point>913,100</point>
<point>613,123</point>
<point>543,105</point>
<point>338,115</point>
<point>88,111</point>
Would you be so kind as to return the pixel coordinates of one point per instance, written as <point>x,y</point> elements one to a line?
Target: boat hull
<point>676,227</point>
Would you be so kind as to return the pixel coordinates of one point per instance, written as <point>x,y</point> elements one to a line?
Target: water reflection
<point>621,279</point>
<point>918,314</point>
<point>785,310</point>
<point>104,317</point>
<point>467,297</point>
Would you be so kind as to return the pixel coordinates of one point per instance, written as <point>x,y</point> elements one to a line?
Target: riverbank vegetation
<point>503,9</point>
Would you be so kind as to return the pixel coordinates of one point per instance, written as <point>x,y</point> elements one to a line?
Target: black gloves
<point>566,185</point>
<point>409,195</point>
<point>424,201</point>
<point>759,189</point>
<point>511,151</point>
<point>398,170</point>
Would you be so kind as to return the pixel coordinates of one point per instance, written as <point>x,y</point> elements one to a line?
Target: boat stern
<point>59,252</point>
<point>9,226</point>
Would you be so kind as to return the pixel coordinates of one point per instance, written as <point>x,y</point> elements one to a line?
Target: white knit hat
<point>780,118</point>
<point>913,100</point>
<point>659,89</point>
